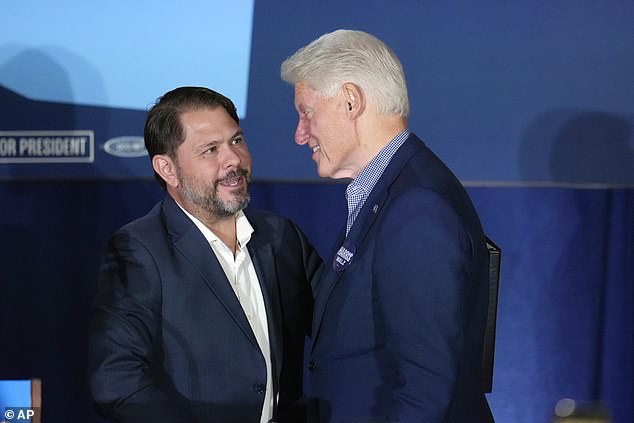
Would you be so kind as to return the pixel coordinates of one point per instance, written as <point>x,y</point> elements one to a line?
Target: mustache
<point>240,172</point>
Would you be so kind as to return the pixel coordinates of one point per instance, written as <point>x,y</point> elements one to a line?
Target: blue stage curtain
<point>566,307</point>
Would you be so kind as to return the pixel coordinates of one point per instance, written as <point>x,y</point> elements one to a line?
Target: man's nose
<point>301,133</point>
<point>230,157</point>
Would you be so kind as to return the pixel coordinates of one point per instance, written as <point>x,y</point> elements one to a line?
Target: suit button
<point>312,365</point>
<point>259,388</point>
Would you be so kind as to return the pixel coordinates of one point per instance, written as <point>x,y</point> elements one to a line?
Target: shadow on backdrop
<point>41,73</point>
<point>583,234</point>
<point>578,147</point>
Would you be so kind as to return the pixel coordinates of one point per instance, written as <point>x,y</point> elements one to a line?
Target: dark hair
<point>163,132</point>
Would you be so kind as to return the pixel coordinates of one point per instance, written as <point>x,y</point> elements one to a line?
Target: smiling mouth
<point>231,182</point>
<point>234,179</point>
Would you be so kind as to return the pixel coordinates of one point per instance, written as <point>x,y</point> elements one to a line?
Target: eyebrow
<point>202,147</point>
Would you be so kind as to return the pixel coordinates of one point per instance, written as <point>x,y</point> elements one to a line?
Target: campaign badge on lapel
<point>343,258</point>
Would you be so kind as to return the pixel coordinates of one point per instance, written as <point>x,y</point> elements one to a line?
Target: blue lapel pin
<point>343,258</point>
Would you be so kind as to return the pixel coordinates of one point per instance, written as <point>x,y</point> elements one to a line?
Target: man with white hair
<point>401,306</point>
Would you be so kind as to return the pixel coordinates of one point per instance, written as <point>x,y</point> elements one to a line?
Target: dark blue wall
<point>504,92</point>
<point>566,307</point>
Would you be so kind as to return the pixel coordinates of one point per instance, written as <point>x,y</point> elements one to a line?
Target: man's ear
<point>166,168</point>
<point>354,99</point>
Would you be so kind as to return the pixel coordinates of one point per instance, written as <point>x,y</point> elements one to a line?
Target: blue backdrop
<point>531,104</point>
<point>521,92</point>
<point>565,322</point>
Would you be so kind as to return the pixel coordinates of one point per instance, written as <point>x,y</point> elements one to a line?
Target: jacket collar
<point>188,240</point>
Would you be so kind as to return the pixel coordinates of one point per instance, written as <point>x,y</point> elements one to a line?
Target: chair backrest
<point>23,394</point>
<point>495,256</point>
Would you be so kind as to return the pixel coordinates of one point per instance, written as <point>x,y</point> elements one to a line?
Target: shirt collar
<point>243,228</point>
<point>369,176</point>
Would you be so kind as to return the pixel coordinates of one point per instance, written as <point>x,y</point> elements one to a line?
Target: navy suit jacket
<point>398,332</point>
<point>169,340</point>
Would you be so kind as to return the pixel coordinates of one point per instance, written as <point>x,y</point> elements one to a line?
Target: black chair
<point>495,256</point>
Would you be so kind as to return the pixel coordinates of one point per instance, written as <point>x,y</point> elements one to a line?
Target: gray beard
<point>212,203</point>
<point>219,208</point>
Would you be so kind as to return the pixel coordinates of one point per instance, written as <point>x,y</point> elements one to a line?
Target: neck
<point>375,133</point>
<point>223,227</point>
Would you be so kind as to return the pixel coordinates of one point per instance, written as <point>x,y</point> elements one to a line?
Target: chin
<point>323,172</point>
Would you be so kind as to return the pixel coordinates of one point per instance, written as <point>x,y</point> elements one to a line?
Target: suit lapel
<point>262,256</point>
<point>328,280</point>
<point>365,219</point>
<point>188,240</point>
<point>359,230</point>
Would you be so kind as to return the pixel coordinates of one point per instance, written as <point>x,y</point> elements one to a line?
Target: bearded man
<point>203,306</point>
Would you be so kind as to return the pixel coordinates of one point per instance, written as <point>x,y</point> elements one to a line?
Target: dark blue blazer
<point>398,332</point>
<point>169,340</point>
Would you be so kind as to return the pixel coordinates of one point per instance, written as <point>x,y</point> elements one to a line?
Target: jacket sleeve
<point>420,269</point>
<point>125,338</point>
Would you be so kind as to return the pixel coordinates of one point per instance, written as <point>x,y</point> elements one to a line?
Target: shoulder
<point>272,228</point>
<point>266,221</point>
<point>145,224</point>
<point>147,232</point>
<point>432,209</point>
<point>426,178</point>
<point>420,205</point>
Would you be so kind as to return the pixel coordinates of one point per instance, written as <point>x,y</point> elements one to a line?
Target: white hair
<point>351,56</point>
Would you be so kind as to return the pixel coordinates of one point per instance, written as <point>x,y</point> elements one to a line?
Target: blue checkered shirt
<point>360,188</point>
